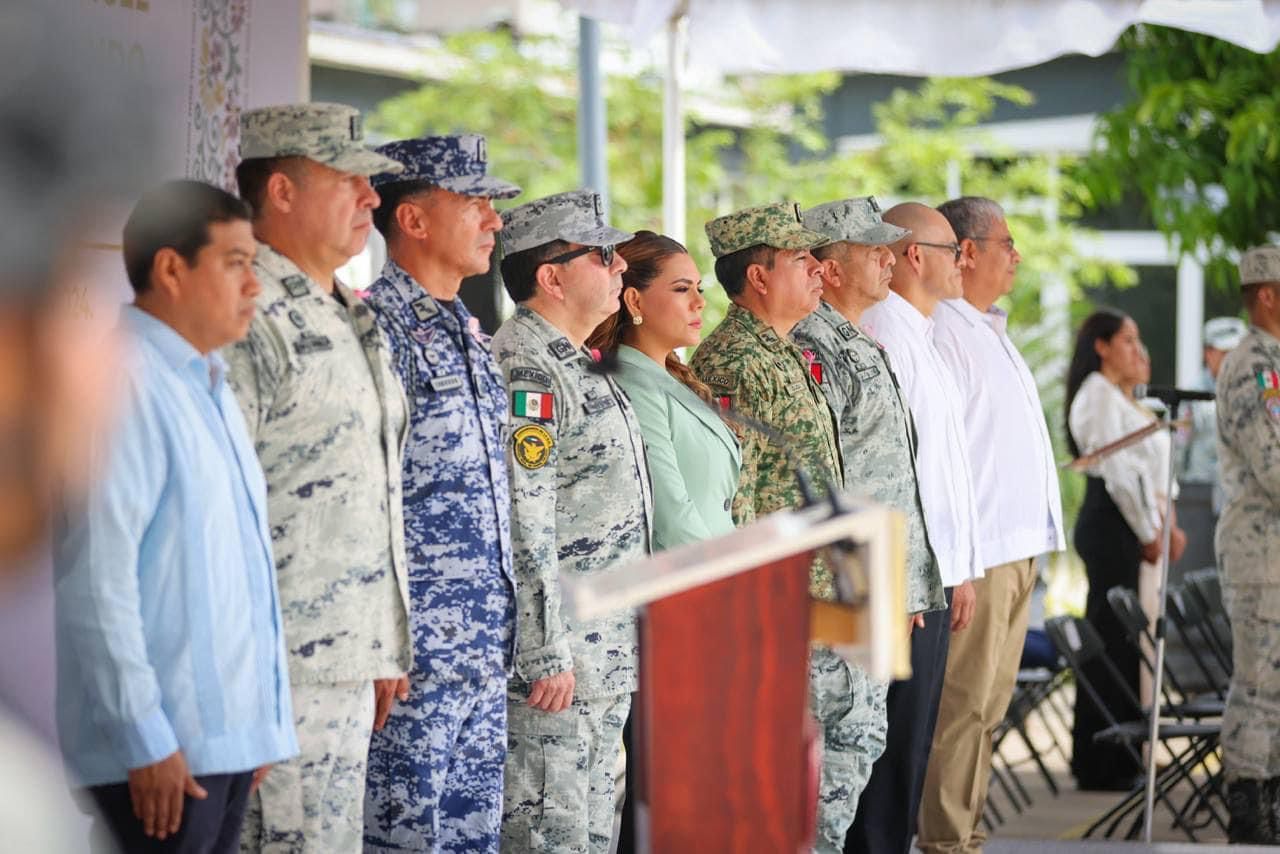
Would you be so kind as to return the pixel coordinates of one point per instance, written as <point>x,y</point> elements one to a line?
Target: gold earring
<point>636,320</point>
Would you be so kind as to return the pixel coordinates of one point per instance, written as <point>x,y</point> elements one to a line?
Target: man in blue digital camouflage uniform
<point>435,769</point>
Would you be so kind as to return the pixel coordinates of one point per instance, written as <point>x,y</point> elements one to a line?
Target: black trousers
<point>886,819</point>
<point>211,826</point>
<point>1112,556</point>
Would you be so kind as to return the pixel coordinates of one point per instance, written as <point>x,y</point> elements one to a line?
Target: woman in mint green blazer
<point>693,455</point>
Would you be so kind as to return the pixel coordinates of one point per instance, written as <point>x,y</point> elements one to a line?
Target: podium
<point>726,750</point>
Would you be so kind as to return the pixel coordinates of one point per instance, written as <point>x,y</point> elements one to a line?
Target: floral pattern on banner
<point>218,57</point>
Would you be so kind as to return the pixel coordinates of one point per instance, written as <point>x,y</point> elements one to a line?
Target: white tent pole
<point>592,160</point>
<point>673,152</point>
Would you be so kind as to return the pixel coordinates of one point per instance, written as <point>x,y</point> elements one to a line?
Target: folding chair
<point>1079,643</point>
<point>1207,587</point>
<point>1191,621</point>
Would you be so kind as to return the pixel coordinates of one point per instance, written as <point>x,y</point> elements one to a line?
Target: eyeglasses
<point>606,255</point>
<point>1006,242</point>
<point>953,248</point>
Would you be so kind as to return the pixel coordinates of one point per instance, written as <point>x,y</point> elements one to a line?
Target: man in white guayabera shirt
<point>1019,519</point>
<point>927,271</point>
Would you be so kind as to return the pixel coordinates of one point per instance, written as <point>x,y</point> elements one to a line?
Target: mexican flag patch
<point>1268,379</point>
<point>537,405</point>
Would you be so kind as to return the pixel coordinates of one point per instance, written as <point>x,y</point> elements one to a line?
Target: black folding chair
<point>1079,643</point>
<point>1207,588</point>
<point>1191,621</point>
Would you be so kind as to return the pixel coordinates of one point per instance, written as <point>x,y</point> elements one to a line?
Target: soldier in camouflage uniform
<point>877,435</point>
<point>435,769</point>
<point>764,264</point>
<point>1248,546</point>
<point>580,505</point>
<point>328,420</point>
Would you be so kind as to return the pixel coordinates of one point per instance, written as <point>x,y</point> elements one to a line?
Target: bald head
<point>928,270</point>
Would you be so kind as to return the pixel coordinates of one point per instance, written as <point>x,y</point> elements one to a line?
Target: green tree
<point>1198,142</point>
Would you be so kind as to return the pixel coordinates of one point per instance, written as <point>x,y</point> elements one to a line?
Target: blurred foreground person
<point>327,416</point>
<point>173,697</point>
<point>1248,402</point>
<point>71,144</point>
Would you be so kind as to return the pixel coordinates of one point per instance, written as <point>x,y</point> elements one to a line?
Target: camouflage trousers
<point>559,776</point>
<point>1251,721</point>
<point>314,802</point>
<point>850,708</point>
<point>435,769</point>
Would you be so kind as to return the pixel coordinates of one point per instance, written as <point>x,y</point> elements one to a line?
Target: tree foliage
<point>1198,141</point>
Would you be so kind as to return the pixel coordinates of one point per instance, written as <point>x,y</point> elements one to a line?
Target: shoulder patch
<point>846,331</point>
<point>1268,379</point>
<point>295,285</point>
<point>425,308</point>
<point>531,446</point>
<point>532,375</point>
<point>562,349</point>
<point>720,380</point>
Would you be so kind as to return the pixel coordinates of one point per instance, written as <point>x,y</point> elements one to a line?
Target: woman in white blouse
<point>1122,519</point>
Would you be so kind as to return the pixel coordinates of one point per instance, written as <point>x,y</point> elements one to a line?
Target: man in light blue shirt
<point>173,695</point>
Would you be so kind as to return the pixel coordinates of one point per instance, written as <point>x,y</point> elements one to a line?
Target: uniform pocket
<point>546,781</point>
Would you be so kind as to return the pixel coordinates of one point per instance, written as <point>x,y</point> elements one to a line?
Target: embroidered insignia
<point>725,402</point>
<point>446,382</point>
<point>722,380</point>
<point>532,375</point>
<point>846,331</point>
<point>537,405</point>
<point>815,371</point>
<point>599,404</point>
<point>312,344</point>
<point>425,308</point>
<point>1268,379</point>
<point>531,445</point>
<point>562,349</point>
<point>422,335</point>
<point>295,285</point>
<point>296,318</point>
<point>867,372</point>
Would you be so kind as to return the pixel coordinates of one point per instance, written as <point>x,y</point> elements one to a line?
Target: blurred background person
<point>693,456</point>
<point>1122,518</point>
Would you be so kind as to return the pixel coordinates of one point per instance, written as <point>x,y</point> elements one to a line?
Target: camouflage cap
<point>576,216</point>
<point>1224,333</point>
<point>457,163</point>
<point>331,134</point>
<point>853,221</point>
<point>778,225</point>
<point>1260,264</point>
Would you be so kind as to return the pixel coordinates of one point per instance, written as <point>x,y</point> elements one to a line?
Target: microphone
<point>1170,395</point>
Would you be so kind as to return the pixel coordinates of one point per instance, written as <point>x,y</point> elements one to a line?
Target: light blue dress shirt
<point>168,623</point>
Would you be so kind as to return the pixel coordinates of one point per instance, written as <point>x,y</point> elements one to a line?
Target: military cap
<point>576,216</point>
<point>457,163</point>
<point>778,225</point>
<point>1260,264</point>
<point>1224,333</point>
<point>331,134</point>
<point>853,221</point>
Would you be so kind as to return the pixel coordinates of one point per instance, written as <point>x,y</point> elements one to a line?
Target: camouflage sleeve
<point>1251,412</point>
<point>676,518</point>
<point>255,365</point>
<point>738,389</point>
<point>537,410</point>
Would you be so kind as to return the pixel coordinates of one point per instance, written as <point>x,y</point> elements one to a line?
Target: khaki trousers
<point>982,668</point>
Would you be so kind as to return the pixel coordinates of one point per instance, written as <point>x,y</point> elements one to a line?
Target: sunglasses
<point>606,255</point>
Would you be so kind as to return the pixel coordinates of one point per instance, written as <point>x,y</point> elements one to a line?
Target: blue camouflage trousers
<point>435,769</point>
<point>312,802</point>
<point>850,708</point>
<point>560,773</point>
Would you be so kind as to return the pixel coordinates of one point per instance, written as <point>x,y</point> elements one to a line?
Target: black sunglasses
<point>606,255</point>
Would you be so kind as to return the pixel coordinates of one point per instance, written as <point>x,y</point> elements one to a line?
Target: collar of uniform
<point>1268,339</point>
<point>545,329</point>
<point>757,327</point>
<point>829,313</point>
<point>899,307</point>
<point>278,267</point>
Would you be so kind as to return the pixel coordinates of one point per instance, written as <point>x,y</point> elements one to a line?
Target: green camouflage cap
<point>576,216</point>
<point>778,225</point>
<point>1260,264</point>
<point>331,134</point>
<point>853,221</point>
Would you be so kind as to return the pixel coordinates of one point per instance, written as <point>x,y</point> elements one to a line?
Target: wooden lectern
<point>721,729</point>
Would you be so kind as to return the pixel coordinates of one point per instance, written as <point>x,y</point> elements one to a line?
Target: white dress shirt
<point>1015,479</point>
<point>1136,476</point>
<point>942,463</point>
